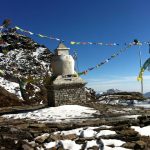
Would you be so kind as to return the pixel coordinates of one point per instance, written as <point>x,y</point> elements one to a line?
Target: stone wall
<point>66,94</point>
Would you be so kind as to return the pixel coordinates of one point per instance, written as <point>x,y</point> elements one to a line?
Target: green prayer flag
<point>17,27</point>
<point>40,35</point>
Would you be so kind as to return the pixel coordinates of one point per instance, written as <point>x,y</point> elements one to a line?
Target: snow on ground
<point>114,142</point>
<point>70,145</point>
<point>145,131</point>
<point>50,145</point>
<point>11,87</point>
<point>66,144</point>
<point>88,132</point>
<point>115,148</point>
<point>131,116</point>
<point>105,132</point>
<point>38,51</point>
<point>93,143</point>
<point>57,114</point>
<point>145,105</point>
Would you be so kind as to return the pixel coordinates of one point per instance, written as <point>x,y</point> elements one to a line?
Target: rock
<point>112,96</point>
<point>27,147</point>
<point>129,145</point>
<point>42,138</point>
<point>55,137</point>
<point>37,125</point>
<point>129,132</point>
<point>146,139</point>
<point>14,133</point>
<point>10,144</point>
<point>140,145</point>
<point>93,148</point>
<point>80,141</point>
<point>144,120</point>
<point>129,135</point>
<point>32,144</point>
<point>69,137</point>
<point>8,99</point>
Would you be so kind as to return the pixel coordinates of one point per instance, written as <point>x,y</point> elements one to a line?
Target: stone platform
<point>66,90</point>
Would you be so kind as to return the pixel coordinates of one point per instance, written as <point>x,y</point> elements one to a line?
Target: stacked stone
<point>66,94</point>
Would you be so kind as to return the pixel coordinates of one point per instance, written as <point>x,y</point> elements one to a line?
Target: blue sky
<point>106,21</point>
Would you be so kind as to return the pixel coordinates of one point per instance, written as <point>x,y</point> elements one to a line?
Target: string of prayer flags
<point>105,61</point>
<point>39,35</point>
<point>143,68</point>
<point>93,43</point>
<point>136,42</point>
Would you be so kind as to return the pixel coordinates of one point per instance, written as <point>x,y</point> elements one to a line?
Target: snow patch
<point>50,145</point>
<point>105,132</point>
<point>52,114</point>
<point>70,145</point>
<point>38,51</point>
<point>145,131</point>
<point>114,142</point>
<point>92,143</point>
<point>87,133</point>
<point>11,87</point>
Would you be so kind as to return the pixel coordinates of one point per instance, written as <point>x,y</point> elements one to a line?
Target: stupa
<point>65,87</point>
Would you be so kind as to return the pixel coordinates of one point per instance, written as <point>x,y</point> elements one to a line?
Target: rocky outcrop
<point>26,63</point>
<point>8,99</point>
<point>121,96</point>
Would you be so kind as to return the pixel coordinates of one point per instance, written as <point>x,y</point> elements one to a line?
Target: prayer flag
<point>72,42</point>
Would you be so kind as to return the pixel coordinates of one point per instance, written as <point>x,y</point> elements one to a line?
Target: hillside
<point>25,64</point>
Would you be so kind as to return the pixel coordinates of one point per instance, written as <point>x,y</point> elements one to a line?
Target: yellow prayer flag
<point>72,42</point>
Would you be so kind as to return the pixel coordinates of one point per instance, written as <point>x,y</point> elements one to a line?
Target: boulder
<point>140,145</point>
<point>42,138</point>
<point>129,145</point>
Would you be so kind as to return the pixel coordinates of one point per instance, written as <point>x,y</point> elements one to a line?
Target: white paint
<point>63,65</point>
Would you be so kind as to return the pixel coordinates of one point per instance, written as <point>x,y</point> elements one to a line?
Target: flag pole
<point>140,68</point>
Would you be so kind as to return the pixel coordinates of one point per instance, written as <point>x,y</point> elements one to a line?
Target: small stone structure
<point>66,87</point>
